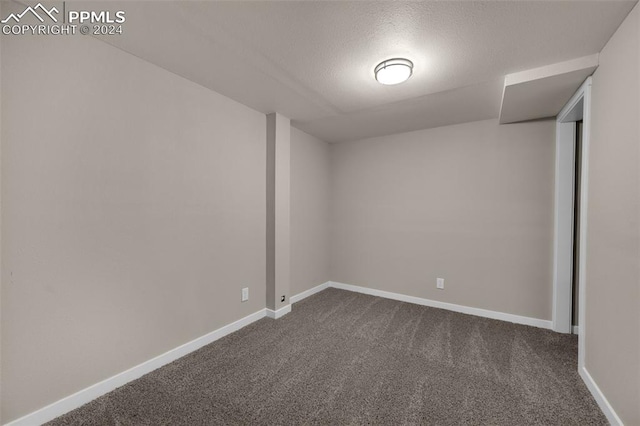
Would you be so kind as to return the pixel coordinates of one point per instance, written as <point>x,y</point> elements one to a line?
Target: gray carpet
<point>346,358</point>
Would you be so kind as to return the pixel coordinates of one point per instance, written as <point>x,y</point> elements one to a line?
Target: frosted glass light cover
<point>394,71</point>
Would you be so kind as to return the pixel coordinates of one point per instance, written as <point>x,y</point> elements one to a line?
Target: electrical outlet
<point>282,298</point>
<point>245,294</point>
<point>440,283</point>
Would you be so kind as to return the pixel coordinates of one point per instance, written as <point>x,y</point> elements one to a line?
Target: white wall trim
<point>563,226</point>
<point>92,392</point>
<point>582,94</point>
<point>602,401</point>
<point>566,116</point>
<point>518,319</point>
<point>279,313</point>
<point>303,295</point>
<point>585,92</point>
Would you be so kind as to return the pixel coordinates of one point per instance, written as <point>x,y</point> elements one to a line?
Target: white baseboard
<point>535,322</point>
<point>86,395</point>
<point>90,393</point>
<point>279,313</point>
<point>602,401</point>
<point>298,297</point>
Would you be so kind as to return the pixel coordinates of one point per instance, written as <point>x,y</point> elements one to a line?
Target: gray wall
<point>133,214</point>
<point>278,236</point>
<point>613,224</point>
<point>310,185</point>
<point>471,203</point>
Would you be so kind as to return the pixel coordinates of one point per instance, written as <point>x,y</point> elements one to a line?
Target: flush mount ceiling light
<point>393,71</point>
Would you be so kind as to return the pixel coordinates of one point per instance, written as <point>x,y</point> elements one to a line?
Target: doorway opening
<point>570,221</point>
<point>575,270</point>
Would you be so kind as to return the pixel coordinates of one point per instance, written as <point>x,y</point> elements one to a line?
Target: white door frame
<point>563,226</point>
<point>578,107</point>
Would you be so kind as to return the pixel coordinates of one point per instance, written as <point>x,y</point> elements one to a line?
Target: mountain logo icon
<point>34,11</point>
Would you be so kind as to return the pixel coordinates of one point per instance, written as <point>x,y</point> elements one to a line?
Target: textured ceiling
<point>313,60</point>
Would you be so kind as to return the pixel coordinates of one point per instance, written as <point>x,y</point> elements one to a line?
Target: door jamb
<point>565,143</point>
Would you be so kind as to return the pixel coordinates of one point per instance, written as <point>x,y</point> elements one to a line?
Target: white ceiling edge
<point>542,92</point>
<point>551,70</point>
<point>462,105</point>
